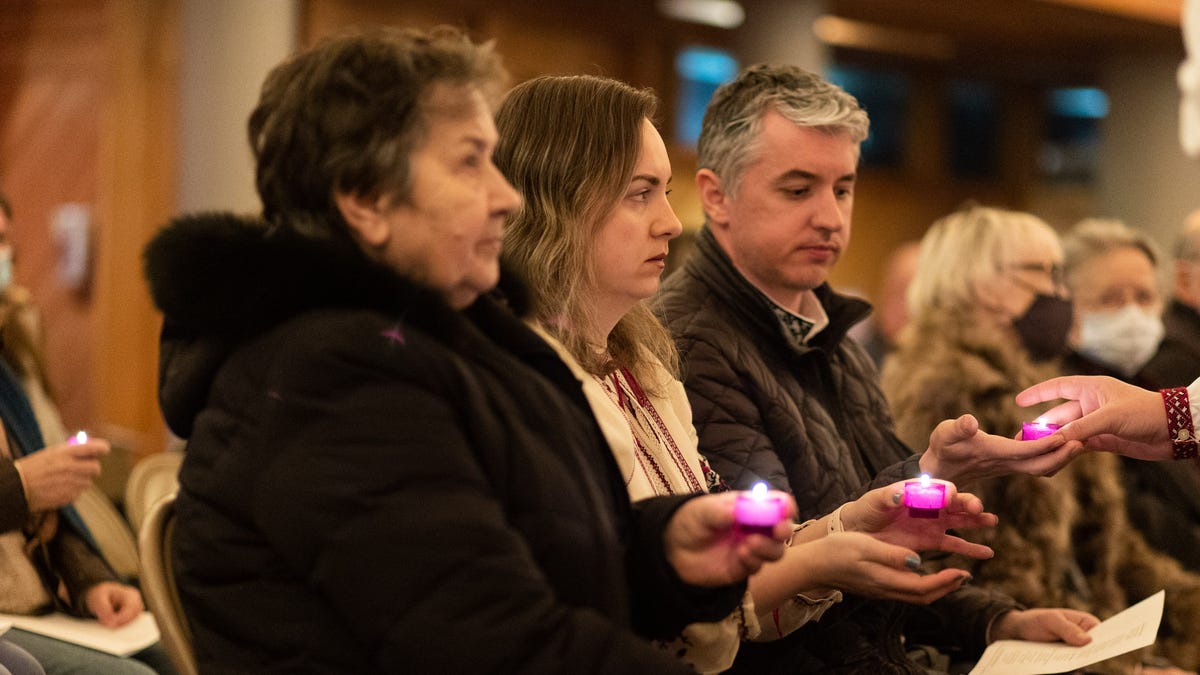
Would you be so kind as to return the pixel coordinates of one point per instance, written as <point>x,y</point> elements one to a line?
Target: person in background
<point>45,543</point>
<point>386,470</point>
<point>990,315</point>
<point>1177,362</point>
<point>780,394</point>
<point>592,237</point>
<point>1112,273</point>
<point>882,329</point>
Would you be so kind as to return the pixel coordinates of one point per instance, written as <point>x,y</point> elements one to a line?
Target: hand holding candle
<point>886,513</point>
<point>757,511</point>
<point>926,496</point>
<point>1031,431</point>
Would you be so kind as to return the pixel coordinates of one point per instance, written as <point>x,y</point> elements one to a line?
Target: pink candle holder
<point>925,497</point>
<point>757,512</point>
<point>1031,431</point>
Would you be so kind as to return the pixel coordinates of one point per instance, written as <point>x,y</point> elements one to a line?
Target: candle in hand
<point>1031,431</point>
<point>757,512</point>
<point>79,438</point>
<point>925,496</point>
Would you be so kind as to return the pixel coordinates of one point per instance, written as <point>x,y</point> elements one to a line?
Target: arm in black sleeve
<point>664,603</point>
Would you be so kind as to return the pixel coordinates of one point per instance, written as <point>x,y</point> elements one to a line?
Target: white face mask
<point>6,269</point>
<point>1124,339</point>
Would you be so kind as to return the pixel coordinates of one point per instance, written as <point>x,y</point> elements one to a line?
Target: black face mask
<point>1044,327</point>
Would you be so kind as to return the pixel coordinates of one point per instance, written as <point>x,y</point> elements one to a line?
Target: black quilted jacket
<point>813,422</point>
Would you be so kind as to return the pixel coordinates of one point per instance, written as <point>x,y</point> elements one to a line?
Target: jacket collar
<point>712,264</point>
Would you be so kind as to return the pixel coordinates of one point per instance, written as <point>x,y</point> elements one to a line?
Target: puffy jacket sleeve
<point>392,518</point>
<point>730,424</point>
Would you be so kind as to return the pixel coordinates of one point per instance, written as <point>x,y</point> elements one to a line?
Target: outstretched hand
<point>882,514</point>
<point>703,548</point>
<point>861,564</point>
<point>960,452</point>
<point>1105,414</point>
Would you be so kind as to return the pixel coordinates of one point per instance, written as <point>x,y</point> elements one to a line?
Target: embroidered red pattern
<point>1180,426</point>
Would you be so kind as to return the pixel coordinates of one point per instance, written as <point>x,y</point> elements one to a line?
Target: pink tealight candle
<point>925,496</point>
<point>1031,431</point>
<point>757,512</point>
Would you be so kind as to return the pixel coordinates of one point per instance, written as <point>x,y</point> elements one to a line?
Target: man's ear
<point>366,217</point>
<point>712,196</point>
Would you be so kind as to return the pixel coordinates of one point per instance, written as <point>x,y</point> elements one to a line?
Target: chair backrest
<point>158,585</point>
<point>152,478</point>
<point>110,530</point>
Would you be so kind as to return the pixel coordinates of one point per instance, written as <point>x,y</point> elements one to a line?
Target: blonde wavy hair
<point>968,249</point>
<point>570,145</point>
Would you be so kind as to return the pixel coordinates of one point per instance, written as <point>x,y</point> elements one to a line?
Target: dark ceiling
<point>1022,39</point>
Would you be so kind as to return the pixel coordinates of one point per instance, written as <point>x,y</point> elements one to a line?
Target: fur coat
<point>1063,541</point>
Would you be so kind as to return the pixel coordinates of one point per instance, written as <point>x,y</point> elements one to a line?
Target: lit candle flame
<point>758,490</point>
<point>81,437</point>
<point>925,480</point>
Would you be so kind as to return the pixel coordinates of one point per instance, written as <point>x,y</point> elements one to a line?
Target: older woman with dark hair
<point>377,477</point>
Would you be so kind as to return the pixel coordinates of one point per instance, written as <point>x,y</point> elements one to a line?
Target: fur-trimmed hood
<point>220,278</point>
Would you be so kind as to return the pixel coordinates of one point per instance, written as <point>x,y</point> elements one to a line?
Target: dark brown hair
<point>346,115</point>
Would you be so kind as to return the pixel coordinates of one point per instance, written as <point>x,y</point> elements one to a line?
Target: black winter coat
<point>813,422</point>
<point>377,483</point>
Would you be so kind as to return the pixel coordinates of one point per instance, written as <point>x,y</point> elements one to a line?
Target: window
<point>884,95</point>
<point>701,70</point>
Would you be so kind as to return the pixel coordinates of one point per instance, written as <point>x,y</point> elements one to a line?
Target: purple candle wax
<point>925,496</point>
<point>757,512</point>
<point>1031,431</point>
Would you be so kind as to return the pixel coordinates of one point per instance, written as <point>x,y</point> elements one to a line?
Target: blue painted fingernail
<point>912,562</point>
<point>896,497</point>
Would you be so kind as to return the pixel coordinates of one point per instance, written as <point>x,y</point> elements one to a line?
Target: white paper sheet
<point>1132,629</point>
<point>131,638</point>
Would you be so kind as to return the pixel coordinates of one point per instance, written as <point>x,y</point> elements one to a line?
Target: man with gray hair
<point>780,393</point>
<point>1177,363</point>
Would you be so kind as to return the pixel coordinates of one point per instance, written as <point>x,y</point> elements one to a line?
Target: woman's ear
<point>366,216</point>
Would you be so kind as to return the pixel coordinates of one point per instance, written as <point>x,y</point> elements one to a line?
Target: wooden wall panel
<point>137,169</point>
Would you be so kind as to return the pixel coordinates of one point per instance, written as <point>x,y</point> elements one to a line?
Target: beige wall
<point>1145,178</point>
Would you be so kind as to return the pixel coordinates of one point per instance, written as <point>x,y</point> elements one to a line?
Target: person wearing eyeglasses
<point>990,316</point>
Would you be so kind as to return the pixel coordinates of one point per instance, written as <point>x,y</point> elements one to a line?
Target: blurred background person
<point>889,308</point>
<point>44,538</point>
<point>21,338</point>
<point>1112,273</point>
<point>1177,362</point>
<point>991,316</point>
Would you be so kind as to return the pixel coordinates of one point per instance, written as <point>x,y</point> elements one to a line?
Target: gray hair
<point>968,249</point>
<point>733,121</point>
<point>1093,237</point>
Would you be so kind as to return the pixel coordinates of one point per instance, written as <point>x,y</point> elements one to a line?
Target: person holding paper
<point>48,560</point>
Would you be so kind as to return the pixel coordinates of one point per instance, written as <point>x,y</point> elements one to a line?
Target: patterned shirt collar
<point>799,328</point>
